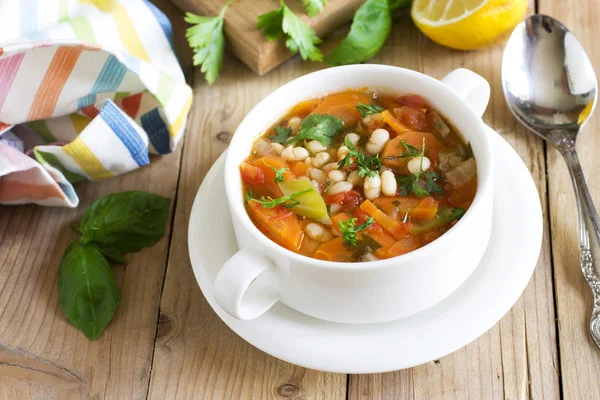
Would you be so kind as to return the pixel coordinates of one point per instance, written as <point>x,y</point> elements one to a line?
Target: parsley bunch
<point>350,229</point>
<point>367,165</point>
<point>413,183</point>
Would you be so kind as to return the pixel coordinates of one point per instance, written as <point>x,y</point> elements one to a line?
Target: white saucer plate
<point>462,317</point>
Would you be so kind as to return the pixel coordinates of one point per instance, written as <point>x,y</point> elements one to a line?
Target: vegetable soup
<point>358,176</point>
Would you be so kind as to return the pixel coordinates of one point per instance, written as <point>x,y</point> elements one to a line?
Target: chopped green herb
<point>396,203</point>
<point>326,186</point>
<point>349,229</point>
<point>366,244</point>
<point>409,151</point>
<point>367,165</point>
<point>208,41</point>
<point>249,196</point>
<point>299,36</point>
<point>365,110</point>
<point>278,172</point>
<point>281,134</point>
<point>320,127</point>
<point>413,183</point>
<point>451,214</point>
<point>286,201</point>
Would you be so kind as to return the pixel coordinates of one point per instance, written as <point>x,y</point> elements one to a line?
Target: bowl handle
<point>472,88</point>
<point>246,285</point>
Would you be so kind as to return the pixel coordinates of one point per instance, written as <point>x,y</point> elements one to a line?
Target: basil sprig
<point>114,225</point>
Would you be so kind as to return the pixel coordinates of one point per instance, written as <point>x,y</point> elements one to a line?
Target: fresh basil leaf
<point>87,291</point>
<point>127,221</point>
<point>76,226</point>
<point>395,4</point>
<point>313,7</point>
<point>112,253</point>
<point>370,29</point>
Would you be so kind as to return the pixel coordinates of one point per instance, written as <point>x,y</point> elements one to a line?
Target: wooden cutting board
<point>249,45</point>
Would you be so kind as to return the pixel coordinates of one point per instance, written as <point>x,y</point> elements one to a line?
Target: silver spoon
<point>550,86</point>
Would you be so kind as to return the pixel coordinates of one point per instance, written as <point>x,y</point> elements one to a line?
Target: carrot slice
<point>403,246</point>
<point>397,229</point>
<point>343,106</point>
<point>335,219</point>
<point>281,228</point>
<point>334,250</point>
<point>299,168</point>
<point>418,209</point>
<point>276,162</point>
<point>396,125</point>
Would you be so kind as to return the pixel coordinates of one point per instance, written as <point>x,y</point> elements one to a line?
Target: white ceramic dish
<point>488,293</point>
<point>262,272</point>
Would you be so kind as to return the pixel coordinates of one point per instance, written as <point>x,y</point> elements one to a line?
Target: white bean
<point>308,160</point>
<point>277,148</point>
<point>354,178</point>
<point>314,146</point>
<point>368,257</point>
<point>414,164</point>
<point>342,151</point>
<point>300,153</point>
<point>294,123</point>
<point>372,187</point>
<point>336,175</point>
<point>329,167</point>
<point>353,138</point>
<point>314,231</point>
<point>262,147</point>
<point>335,208</point>
<point>388,183</point>
<point>340,187</point>
<point>315,184</point>
<point>320,159</point>
<point>318,175</point>
<point>377,141</point>
<point>327,236</point>
<point>288,153</point>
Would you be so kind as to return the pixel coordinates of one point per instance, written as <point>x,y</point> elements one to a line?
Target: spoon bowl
<point>550,86</point>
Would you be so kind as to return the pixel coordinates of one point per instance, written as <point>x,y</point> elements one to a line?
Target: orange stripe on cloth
<point>11,190</point>
<point>56,76</point>
<point>90,111</point>
<point>131,104</point>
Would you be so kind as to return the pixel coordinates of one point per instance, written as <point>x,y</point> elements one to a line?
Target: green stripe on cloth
<point>41,129</point>
<point>63,13</point>
<point>120,95</point>
<point>83,29</point>
<point>165,88</point>
<point>49,158</point>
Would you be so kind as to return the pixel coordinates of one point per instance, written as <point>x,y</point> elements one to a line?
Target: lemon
<point>467,24</point>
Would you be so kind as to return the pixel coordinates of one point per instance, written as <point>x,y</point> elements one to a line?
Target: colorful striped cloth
<point>88,88</point>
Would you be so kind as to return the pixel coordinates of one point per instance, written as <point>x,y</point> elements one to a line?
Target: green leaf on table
<point>112,253</point>
<point>299,36</point>
<point>207,40</point>
<point>313,7</point>
<point>127,221</point>
<point>395,4</point>
<point>370,29</point>
<point>87,291</point>
<point>320,127</point>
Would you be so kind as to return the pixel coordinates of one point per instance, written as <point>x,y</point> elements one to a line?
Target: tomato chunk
<point>413,118</point>
<point>251,174</point>
<point>412,100</point>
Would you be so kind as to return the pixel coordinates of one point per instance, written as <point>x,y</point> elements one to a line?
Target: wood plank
<point>579,356</point>
<point>196,354</point>
<point>517,358</point>
<point>40,351</point>
<point>41,354</point>
<point>249,45</point>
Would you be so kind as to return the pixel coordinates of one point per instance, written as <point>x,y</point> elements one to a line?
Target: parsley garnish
<point>300,37</point>
<point>320,127</point>
<point>413,183</point>
<point>249,196</point>
<point>207,39</point>
<point>367,165</point>
<point>286,201</point>
<point>349,229</point>
<point>313,7</point>
<point>365,110</point>
<point>281,134</point>
<point>366,244</point>
<point>409,151</point>
<point>278,172</point>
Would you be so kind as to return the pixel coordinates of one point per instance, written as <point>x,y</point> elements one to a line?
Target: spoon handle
<point>589,237</point>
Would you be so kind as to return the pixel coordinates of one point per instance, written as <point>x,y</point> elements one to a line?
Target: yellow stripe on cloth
<point>79,122</point>
<point>129,37</point>
<point>180,120</point>
<point>87,161</point>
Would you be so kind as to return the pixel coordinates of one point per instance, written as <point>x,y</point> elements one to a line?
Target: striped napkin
<point>88,89</point>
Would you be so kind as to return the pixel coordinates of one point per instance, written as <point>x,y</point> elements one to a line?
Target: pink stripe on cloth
<point>8,70</point>
<point>18,160</point>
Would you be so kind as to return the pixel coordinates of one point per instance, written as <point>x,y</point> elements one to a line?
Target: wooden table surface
<point>166,342</point>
